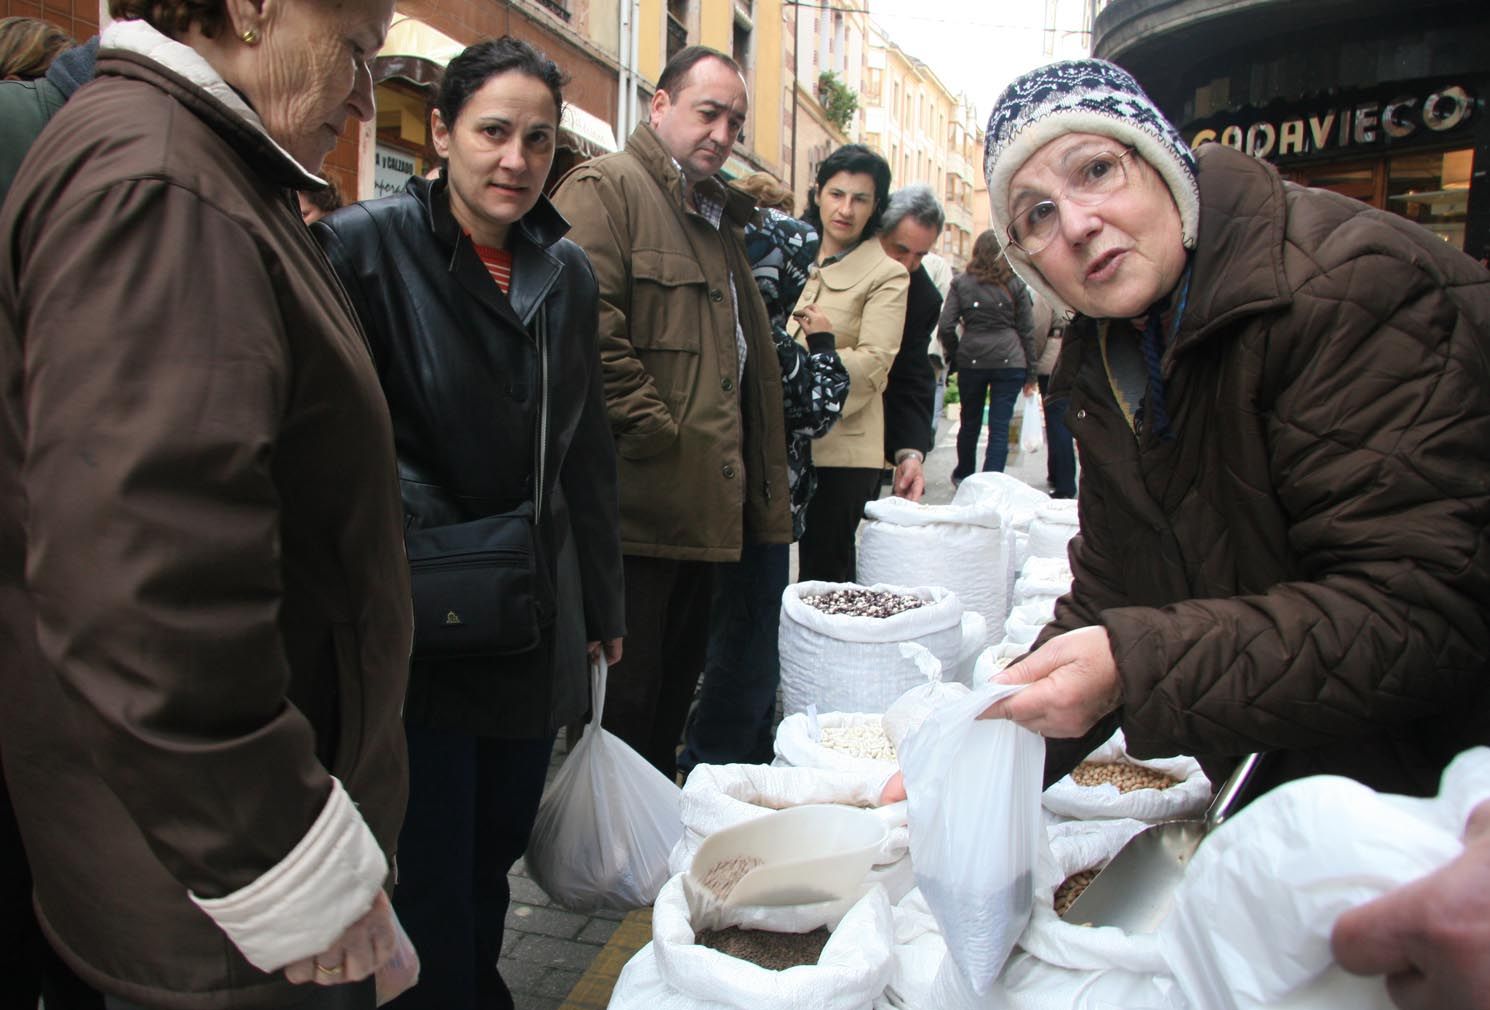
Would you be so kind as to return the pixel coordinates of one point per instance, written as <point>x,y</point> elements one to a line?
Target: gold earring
<point>250,37</point>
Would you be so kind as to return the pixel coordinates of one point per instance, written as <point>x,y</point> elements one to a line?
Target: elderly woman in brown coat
<point>1282,400</point>
<point>204,605</point>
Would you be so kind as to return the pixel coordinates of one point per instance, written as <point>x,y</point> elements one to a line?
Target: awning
<point>417,53</point>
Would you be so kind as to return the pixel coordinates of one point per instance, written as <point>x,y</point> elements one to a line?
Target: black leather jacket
<point>459,364</point>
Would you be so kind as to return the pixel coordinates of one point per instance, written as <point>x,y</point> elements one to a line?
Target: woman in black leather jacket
<point>457,281</point>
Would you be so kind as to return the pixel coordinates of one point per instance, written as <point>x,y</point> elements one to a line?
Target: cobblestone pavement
<point>546,949</point>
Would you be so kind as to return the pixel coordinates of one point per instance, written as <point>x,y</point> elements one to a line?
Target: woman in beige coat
<point>858,294</point>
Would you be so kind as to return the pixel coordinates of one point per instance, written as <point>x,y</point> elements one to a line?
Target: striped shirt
<point>498,263</point>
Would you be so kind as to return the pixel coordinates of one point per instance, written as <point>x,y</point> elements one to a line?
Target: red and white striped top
<point>498,263</point>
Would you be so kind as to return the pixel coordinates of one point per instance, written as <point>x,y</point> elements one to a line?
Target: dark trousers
<point>1060,448</point>
<point>1001,388</point>
<point>731,724</point>
<point>472,801</point>
<point>349,996</point>
<point>826,552</point>
<point>28,966</point>
<point>667,634</point>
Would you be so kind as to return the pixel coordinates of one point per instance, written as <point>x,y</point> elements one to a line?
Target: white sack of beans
<point>1027,620</point>
<point>843,741</point>
<point>721,796</point>
<point>962,548</point>
<point>1188,797</point>
<point>848,663</point>
<point>1053,527</point>
<point>1042,577</point>
<point>674,972</point>
<point>1074,847</point>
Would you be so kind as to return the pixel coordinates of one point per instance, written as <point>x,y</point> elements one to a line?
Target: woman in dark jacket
<point>482,321</point>
<point>995,356</point>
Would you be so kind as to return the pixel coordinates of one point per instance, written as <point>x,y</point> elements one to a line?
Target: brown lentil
<point>1127,777</point>
<point>776,951</point>
<point>863,603</point>
<point>1071,888</point>
<point>723,876</point>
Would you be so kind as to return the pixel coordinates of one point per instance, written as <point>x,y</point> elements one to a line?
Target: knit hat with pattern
<point>1083,96</point>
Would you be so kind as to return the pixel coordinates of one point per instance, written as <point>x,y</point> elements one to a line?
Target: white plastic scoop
<point>813,853</point>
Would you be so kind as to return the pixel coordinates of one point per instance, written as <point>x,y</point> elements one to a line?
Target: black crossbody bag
<point>481,588</point>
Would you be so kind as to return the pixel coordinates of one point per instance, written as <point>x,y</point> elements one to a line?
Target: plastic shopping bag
<point>976,829</point>
<point>1032,428</point>
<point>606,823</point>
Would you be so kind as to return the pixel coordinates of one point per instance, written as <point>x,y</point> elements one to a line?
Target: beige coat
<point>863,295</point>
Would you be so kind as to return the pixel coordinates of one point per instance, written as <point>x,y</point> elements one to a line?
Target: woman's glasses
<point>1037,222</point>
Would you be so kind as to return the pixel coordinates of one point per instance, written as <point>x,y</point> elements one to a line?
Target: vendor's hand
<point>1031,387</point>
<point>1073,683</point>
<point>365,947</point>
<point>612,649</point>
<point>1430,938</point>
<point>894,790</point>
<point>812,319</point>
<point>910,480</point>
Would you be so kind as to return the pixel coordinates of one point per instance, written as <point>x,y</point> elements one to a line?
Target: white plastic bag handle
<point>598,671</point>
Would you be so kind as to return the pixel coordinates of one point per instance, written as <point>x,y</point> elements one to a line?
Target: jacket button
<point>1081,415</point>
<point>727,384</point>
<point>716,295</point>
<point>728,471</point>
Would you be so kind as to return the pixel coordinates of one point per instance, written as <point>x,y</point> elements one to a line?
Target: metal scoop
<point>1135,890</point>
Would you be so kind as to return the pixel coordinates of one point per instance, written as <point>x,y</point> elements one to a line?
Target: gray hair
<point>917,202</point>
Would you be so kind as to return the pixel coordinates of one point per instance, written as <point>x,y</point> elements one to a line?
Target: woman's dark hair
<point>988,265</point>
<point>174,17</point>
<point>854,159</point>
<point>28,46</point>
<point>479,63</point>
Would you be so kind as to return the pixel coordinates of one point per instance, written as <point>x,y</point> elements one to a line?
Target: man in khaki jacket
<point>691,381</point>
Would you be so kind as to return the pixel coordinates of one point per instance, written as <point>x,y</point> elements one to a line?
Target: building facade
<point>1379,100</point>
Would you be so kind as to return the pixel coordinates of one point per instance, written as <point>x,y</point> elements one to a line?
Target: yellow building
<point>928,134</point>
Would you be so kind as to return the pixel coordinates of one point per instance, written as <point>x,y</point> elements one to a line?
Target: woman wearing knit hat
<point>1282,402</point>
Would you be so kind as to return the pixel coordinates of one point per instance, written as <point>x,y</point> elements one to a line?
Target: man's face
<point>908,243</point>
<point>700,124</point>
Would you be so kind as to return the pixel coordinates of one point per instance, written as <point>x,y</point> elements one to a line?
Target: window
<point>741,48</point>
<point>557,7</point>
<point>677,27</point>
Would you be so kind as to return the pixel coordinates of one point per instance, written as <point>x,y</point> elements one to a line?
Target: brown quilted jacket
<point>1304,569</point>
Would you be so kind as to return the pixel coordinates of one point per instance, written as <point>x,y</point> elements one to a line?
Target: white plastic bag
<point>1187,799</point>
<point>1056,522</point>
<point>1032,428</point>
<point>1041,576</point>
<point>673,972</point>
<point>840,663</point>
<point>1027,620</point>
<point>1252,920</point>
<point>973,787</point>
<point>911,709</point>
<point>606,824</point>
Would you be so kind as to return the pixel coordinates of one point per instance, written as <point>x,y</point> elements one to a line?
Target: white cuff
<point>308,899</point>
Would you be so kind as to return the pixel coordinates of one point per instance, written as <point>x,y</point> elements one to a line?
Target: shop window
<point>556,7</point>
<point>1432,189</point>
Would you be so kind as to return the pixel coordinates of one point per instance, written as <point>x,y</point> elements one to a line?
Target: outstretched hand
<point>1073,682</point>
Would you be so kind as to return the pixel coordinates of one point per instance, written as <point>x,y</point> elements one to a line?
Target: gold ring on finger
<point>325,970</point>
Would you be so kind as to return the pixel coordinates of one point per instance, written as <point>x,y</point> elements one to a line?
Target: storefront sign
<point>1341,126</point>
<point>391,169</point>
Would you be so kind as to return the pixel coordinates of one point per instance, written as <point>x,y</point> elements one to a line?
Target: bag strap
<point>540,451</point>
<point>598,671</point>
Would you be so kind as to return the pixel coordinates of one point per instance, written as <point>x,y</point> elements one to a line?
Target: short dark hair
<point>174,17</point>
<point>480,62</point>
<point>855,159</point>
<point>326,199</point>
<point>675,75</point>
